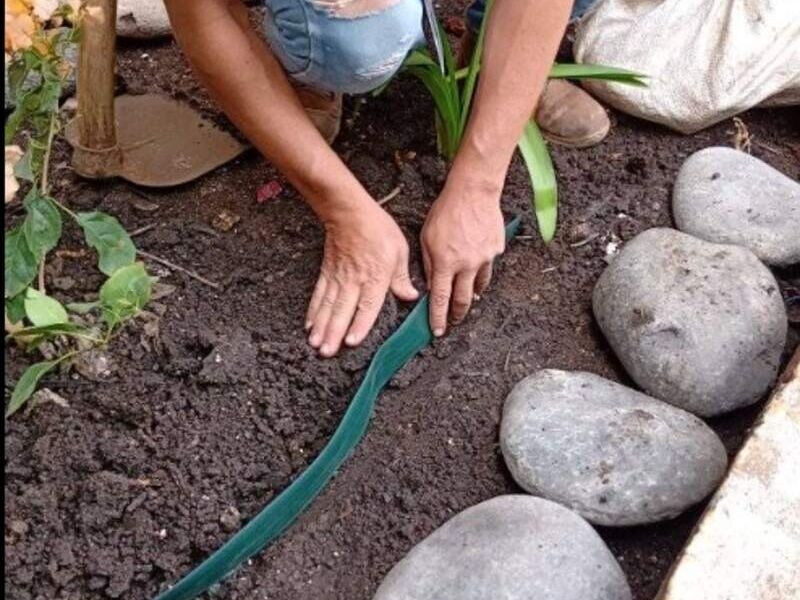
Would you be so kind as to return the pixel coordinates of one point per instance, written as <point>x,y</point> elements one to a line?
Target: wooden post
<point>97,153</point>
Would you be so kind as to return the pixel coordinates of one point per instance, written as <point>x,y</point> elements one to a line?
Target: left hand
<point>461,237</point>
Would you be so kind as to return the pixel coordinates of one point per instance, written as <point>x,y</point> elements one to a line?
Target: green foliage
<point>453,102</point>
<point>113,244</point>
<point>35,82</point>
<point>42,224</point>
<point>42,310</point>
<point>20,263</point>
<point>27,384</point>
<point>125,293</point>
<point>543,179</point>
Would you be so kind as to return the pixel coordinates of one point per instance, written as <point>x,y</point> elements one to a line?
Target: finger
<point>341,317</point>
<point>441,289</point>
<point>323,314</point>
<point>483,278</point>
<point>427,265</point>
<point>316,300</point>
<point>367,311</point>
<point>463,290</point>
<point>401,285</point>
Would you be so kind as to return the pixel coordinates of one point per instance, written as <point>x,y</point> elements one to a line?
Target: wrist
<point>477,172</point>
<point>334,194</point>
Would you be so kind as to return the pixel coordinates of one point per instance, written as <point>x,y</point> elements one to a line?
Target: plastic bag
<point>707,59</point>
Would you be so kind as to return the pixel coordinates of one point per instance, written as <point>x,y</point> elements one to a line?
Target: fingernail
<point>439,332</point>
<point>308,325</point>
<point>314,340</point>
<point>325,350</point>
<point>350,340</point>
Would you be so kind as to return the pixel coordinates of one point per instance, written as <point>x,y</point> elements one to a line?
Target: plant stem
<point>47,152</point>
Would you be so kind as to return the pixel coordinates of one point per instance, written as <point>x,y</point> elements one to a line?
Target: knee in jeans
<point>368,40</point>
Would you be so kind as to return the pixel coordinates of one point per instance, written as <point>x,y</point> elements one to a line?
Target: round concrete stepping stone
<point>726,196</point>
<point>614,455</point>
<point>142,19</point>
<point>696,324</point>
<point>511,547</point>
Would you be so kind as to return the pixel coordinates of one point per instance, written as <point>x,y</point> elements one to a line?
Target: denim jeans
<point>351,46</point>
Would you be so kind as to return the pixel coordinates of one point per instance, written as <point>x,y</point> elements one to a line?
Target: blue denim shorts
<point>352,46</point>
<point>320,47</point>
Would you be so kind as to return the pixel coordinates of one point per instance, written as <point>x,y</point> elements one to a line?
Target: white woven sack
<point>707,59</point>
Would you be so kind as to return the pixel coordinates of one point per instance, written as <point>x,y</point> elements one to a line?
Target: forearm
<point>249,84</point>
<point>522,39</point>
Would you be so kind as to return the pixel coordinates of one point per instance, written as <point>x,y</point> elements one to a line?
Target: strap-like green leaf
<point>412,335</point>
<point>113,244</point>
<point>543,178</point>
<point>27,385</point>
<point>573,71</point>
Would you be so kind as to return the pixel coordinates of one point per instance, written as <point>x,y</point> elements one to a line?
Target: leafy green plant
<point>452,90</point>
<point>37,70</point>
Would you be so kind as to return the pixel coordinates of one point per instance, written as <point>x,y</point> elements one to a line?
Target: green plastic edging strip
<point>411,337</point>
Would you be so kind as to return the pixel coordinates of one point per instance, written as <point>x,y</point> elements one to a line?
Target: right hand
<point>365,255</point>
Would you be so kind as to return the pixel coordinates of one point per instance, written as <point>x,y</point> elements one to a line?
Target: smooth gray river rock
<point>726,196</point>
<point>696,324</point>
<point>512,547</point>
<point>614,455</point>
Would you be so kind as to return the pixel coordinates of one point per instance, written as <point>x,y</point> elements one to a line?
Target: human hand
<point>365,255</point>
<point>461,237</point>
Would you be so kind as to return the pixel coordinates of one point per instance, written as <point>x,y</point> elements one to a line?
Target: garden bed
<point>213,404</point>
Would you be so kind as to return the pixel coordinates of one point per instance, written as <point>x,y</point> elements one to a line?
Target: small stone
<point>512,547</point>
<point>142,19</point>
<point>696,324</point>
<point>225,220</point>
<point>18,527</point>
<point>612,454</point>
<point>94,364</point>
<point>64,283</point>
<point>230,518</point>
<point>729,197</point>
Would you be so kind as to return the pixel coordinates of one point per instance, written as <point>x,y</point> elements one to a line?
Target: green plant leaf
<point>543,178</point>
<point>20,263</point>
<point>42,225</point>
<point>15,308</point>
<point>82,308</point>
<point>52,330</point>
<point>113,244</point>
<point>27,385</point>
<point>572,71</point>
<point>42,310</point>
<point>125,293</point>
<point>472,73</point>
<point>25,168</point>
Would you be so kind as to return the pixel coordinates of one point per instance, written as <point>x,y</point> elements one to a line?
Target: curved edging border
<point>411,337</point>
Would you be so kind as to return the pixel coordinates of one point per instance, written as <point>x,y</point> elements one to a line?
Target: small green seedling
<point>36,76</point>
<point>452,92</point>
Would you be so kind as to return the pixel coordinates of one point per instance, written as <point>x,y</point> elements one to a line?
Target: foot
<point>324,109</point>
<point>569,116</point>
<point>566,114</point>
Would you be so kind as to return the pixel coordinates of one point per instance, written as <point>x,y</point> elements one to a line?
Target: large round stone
<point>511,547</point>
<point>696,324</point>
<point>726,196</point>
<point>614,455</point>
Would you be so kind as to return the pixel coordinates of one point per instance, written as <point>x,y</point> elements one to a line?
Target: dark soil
<point>214,402</point>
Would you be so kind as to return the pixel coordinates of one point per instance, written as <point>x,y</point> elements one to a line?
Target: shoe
<point>569,116</point>
<point>566,114</point>
<point>323,108</point>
